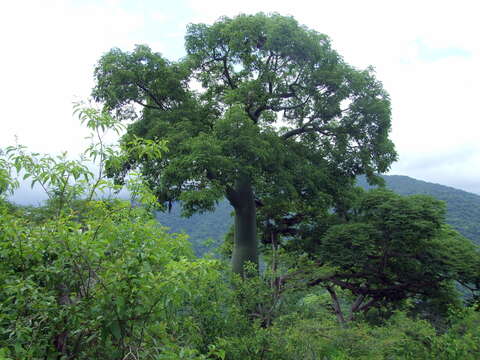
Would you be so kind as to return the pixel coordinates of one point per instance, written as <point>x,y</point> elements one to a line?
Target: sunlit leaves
<point>8,183</point>
<point>96,119</point>
<point>57,175</point>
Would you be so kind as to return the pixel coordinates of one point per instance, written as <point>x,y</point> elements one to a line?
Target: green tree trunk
<point>245,238</point>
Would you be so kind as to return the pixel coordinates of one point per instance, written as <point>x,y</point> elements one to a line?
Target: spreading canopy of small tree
<point>277,115</point>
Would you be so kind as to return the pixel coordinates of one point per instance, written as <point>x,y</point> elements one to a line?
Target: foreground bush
<point>114,286</point>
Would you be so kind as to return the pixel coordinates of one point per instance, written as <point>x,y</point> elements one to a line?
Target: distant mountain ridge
<point>463,212</point>
<point>463,208</point>
<point>206,231</point>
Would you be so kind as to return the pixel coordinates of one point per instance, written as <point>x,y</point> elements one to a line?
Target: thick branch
<point>227,73</point>
<point>368,305</point>
<point>336,305</point>
<point>257,113</point>
<point>232,196</point>
<point>151,95</point>
<point>294,132</point>
<point>309,127</point>
<point>146,105</point>
<point>355,306</point>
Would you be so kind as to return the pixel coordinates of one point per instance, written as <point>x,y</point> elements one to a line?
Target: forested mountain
<point>205,230</point>
<point>463,212</point>
<point>463,208</point>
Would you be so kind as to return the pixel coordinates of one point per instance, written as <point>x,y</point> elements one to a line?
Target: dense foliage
<point>462,212</point>
<point>463,208</point>
<point>389,249</point>
<point>206,231</point>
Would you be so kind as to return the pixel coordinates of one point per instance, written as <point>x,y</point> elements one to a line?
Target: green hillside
<point>207,230</point>
<point>463,208</point>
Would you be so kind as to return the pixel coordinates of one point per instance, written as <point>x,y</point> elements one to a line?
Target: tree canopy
<point>277,116</point>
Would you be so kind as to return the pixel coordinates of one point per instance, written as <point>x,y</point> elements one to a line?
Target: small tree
<point>279,115</point>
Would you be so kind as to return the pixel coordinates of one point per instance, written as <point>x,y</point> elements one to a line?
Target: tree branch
<point>336,305</point>
<point>294,132</point>
<point>151,95</point>
<point>146,105</point>
<point>355,306</point>
<point>232,196</point>
<point>227,73</point>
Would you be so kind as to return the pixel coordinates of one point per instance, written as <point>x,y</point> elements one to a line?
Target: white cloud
<point>159,16</point>
<point>48,61</point>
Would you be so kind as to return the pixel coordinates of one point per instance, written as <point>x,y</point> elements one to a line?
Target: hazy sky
<point>426,53</point>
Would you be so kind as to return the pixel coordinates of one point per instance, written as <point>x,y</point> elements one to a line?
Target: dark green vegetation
<point>463,208</point>
<point>205,231</point>
<point>462,211</point>
<point>346,273</point>
<point>280,121</point>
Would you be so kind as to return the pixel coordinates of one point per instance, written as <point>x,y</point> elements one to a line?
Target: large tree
<point>277,115</point>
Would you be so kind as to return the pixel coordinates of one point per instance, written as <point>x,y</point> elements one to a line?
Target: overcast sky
<point>426,53</point>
